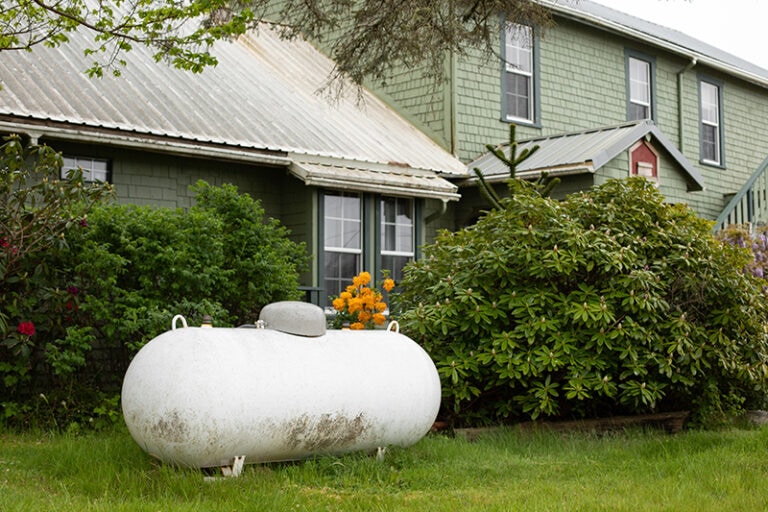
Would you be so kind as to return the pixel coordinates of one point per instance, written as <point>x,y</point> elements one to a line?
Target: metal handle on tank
<point>178,317</point>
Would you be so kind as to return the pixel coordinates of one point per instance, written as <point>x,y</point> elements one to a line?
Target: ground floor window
<point>365,232</point>
<point>343,240</point>
<point>94,169</point>
<point>397,235</point>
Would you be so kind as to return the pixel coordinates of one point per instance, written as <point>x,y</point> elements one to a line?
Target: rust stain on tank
<point>326,432</point>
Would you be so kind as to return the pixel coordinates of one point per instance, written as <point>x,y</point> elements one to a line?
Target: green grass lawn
<point>507,470</point>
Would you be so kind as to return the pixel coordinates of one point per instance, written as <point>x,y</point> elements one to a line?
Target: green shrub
<point>261,262</point>
<point>608,302</point>
<point>85,284</point>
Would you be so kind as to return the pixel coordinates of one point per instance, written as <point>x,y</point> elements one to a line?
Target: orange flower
<point>362,279</point>
<point>338,304</point>
<point>361,306</point>
<point>354,305</point>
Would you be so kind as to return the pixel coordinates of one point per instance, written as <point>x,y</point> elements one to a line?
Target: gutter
<point>135,141</point>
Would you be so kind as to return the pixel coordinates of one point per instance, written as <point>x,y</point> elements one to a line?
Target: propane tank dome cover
<point>294,317</point>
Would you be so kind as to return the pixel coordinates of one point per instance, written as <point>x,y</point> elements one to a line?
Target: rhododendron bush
<point>609,302</point>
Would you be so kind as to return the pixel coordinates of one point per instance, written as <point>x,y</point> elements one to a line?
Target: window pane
<point>709,143</point>
<point>640,80</point>
<point>332,232</point>
<point>518,96</point>
<point>637,112</point>
<point>340,268</point>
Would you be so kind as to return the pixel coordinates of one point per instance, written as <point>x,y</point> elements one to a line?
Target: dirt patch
<point>327,432</point>
<point>171,428</point>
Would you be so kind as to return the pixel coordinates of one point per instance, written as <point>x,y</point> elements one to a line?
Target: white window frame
<point>344,247</point>
<point>94,169</point>
<point>640,84</point>
<point>519,62</point>
<point>710,112</point>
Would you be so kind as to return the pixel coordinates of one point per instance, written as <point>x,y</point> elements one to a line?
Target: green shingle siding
<point>583,86</point>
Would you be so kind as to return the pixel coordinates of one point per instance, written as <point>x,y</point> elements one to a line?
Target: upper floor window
<point>640,87</point>
<point>518,80</point>
<point>397,235</point>
<point>711,126</point>
<point>94,169</point>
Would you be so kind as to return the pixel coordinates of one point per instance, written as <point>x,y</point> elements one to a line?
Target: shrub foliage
<point>84,283</point>
<point>608,302</point>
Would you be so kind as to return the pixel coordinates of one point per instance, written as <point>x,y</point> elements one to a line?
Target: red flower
<point>3,242</point>
<point>83,223</point>
<point>26,328</point>
<point>73,290</point>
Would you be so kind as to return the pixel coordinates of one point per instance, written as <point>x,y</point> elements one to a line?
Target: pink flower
<point>73,290</point>
<point>26,328</point>
<point>84,223</point>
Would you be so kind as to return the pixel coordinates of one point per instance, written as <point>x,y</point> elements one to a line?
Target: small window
<point>640,86</point>
<point>343,246</point>
<point>94,169</point>
<point>711,132</point>
<point>397,235</point>
<point>518,87</point>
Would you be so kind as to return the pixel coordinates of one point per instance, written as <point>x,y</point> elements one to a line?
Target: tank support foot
<point>236,468</point>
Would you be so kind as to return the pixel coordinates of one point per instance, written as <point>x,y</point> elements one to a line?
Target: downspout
<point>452,101</point>
<point>437,213</point>
<point>680,114</point>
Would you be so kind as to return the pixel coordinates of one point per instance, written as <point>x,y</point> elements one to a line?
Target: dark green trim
<point>418,227</point>
<point>321,247</point>
<point>377,238</point>
<point>630,53</point>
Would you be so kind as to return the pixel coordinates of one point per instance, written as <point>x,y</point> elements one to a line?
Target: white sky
<point>736,26</point>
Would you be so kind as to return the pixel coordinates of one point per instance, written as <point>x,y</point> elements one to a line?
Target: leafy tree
<point>369,37</point>
<point>609,302</point>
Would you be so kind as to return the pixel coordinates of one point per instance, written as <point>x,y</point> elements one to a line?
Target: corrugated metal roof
<point>657,35</point>
<point>582,152</point>
<point>409,182</point>
<point>262,95</point>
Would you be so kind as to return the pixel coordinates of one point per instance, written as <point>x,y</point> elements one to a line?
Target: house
<point>604,94</point>
<point>352,179</point>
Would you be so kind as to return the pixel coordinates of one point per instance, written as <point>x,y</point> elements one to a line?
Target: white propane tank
<point>200,397</point>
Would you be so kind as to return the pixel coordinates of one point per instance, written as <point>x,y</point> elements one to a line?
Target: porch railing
<point>750,204</point>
